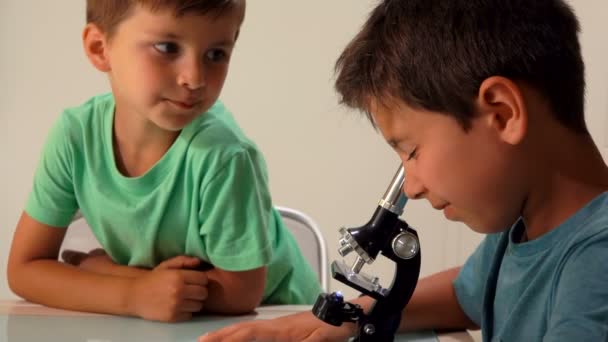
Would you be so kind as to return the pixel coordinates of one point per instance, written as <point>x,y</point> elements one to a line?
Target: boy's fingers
<point>195,277</point>
<point>196,292</point>
<point>181,261</point>
<point>244,332</point>
<point>220,335</point>
<point>192,306</point>
<point>315,337</point>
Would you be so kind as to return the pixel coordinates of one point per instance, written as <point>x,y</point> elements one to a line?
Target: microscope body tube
<point>394,199</point>
<point>371,237</point>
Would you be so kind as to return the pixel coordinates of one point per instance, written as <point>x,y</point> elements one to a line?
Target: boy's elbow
<point>242,309</point>
<point>19,277</point>
<point>235,293</point>
<point>240,306</point>
<point>256,291</point>
<point>248,303</point>
<point>13,278</point>
<point>255,302</point>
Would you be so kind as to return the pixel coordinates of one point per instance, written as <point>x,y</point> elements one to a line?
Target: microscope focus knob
<point>406,245</point>
<point>344,250</point>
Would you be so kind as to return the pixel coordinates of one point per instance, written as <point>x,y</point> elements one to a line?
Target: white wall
<point>322,159</point>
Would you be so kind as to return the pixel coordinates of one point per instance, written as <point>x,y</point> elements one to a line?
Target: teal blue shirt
<point>554,288</point>
<point>206,197</point>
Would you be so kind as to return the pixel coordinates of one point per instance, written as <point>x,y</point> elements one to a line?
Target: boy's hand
<point>171,292</point>
<point>293,328</point>
<point>95,260</point>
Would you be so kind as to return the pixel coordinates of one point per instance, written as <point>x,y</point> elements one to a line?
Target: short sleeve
<point>52,200</point>
<point>580,304</point>
<point>235,213</point>
<point>471,281</point>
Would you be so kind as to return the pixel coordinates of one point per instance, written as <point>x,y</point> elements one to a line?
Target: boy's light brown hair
<point>108,14</point>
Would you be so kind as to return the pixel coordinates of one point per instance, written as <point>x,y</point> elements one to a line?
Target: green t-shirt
<point>207,197</point>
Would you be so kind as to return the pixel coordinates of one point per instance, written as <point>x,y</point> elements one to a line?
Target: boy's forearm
<point>97,261</point>
<point>434,305</point>
<point>122,271</point>
<point>59,285</point>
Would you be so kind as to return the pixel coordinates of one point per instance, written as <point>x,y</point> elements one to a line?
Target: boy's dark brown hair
<point>108,14</point>
<point>434,55</point>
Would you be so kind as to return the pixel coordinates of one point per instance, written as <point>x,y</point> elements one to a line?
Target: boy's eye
<point>216,55</point>
<point>412,154</point>
<point>167,48</point>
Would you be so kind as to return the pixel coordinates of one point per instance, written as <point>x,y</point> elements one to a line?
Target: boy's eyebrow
<point>393,142</point>
<point>224,43</point>
<point>174,36</point>
<point>168,35</point>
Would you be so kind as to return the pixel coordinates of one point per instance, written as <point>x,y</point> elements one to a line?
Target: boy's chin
<point>175,123</point>
<point>489,228</point>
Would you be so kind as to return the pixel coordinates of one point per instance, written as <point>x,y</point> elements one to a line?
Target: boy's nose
<point>191,75</point>
<point>412,186</point>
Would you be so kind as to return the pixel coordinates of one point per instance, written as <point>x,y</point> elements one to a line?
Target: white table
<point>21,321</point>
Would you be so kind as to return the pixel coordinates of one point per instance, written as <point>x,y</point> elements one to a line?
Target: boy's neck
<point>138,144</point>
<point>569,172</point>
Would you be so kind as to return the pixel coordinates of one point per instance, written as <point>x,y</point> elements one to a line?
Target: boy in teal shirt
<point>163,175</point>
<point>483,101</point>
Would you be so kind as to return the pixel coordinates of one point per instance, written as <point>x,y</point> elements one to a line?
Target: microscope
<point>387,234</point>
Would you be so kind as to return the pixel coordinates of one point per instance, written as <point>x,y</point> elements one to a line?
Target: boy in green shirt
<point>163,175</point>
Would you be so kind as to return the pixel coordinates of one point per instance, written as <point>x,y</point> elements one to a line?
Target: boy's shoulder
<point>592,221</point>
<point>101,103</point>
<point>217,131</point>
<point>84,123</point>
<point>216,142</point>
<point>588,226</point>
<point>89,114</point>
<point>583,237</point>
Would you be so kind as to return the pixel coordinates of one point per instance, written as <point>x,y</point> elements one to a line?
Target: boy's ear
<point>502,105</point>
<point>95,43</point>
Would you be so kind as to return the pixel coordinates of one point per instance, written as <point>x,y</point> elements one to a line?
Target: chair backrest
<point>304,229</point>
<point>310,239</point>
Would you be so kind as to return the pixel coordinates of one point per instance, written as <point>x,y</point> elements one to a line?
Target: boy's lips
<point>447,210</point>
<point>185,104</point>
<point>440,206</point>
